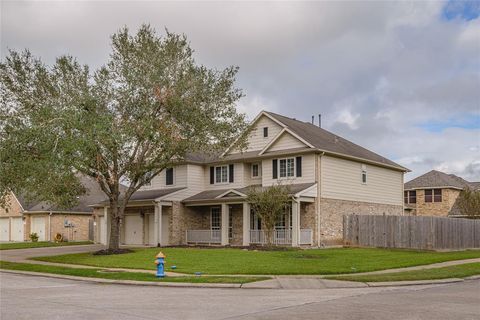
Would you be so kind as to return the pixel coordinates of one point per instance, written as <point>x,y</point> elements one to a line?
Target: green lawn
<point>459,271</point>
<point>137,276</point>
<point>41,244</point>
<point>238,261</point>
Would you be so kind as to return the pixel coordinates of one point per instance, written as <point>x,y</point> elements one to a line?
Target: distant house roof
<point>215,195</point>
<point>437,179</point>
<point>93,195</point>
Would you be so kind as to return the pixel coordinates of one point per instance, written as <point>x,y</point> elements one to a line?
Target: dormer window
<point>265,132</point>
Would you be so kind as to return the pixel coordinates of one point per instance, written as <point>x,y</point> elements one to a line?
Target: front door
<point>165,230</point>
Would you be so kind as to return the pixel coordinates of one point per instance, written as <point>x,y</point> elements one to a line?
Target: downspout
<point>50,226</point>
<point>319,194</point>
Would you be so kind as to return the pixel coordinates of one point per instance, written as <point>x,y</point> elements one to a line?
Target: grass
<point>137,276</point>
<point>458,271</point>
<point>40,244</point>
<point>238,261</point>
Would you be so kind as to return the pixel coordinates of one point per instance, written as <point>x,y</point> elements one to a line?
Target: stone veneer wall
<point>308,219</point>
<point>439,209</point>
<point>183,218</point>
<point>236,214</point>
<point>333,210</point>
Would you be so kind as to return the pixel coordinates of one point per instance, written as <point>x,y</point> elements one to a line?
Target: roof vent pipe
<point>319,120</point>
<point>313,119</point>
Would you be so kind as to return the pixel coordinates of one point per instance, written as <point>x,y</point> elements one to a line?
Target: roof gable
<point>255,139</point>
<point>284,141</point>
<point>324,140</point>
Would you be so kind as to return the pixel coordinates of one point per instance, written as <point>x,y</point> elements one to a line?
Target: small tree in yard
<point>469,202</point>
<point>269,204</point>
<point>122,124</point>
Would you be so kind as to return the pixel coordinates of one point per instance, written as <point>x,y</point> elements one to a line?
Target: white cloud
<point>375,70</point>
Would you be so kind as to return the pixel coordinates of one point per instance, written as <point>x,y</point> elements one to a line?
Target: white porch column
<point>246,224</point>
<point>224,229</point>
<point>105,228</point>
<point>158,224</point>
<point>295,223</point>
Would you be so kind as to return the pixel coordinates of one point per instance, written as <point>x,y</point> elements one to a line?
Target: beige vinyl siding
<point>342,179</point>
<point>249,180</point>
<point>286,141</point>
<point>308,170</point>
<point>195,183</point>
<point>179,179</point>
<point>256,140</point>
<point>238,178</point>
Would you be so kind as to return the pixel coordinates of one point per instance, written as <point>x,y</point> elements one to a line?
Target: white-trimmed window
<point>221,174</point>
<point>148,179</point>
<point>256,170</point>
<point>215,216</point>
<point>364,174</point>
<point>286,168</point>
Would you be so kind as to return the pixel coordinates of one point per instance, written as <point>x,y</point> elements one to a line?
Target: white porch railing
<point>203,236</point>
<point>306,236</point>
<point>281,237</point>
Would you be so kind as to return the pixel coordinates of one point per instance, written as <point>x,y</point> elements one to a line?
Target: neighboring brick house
<point>23,217</point>
<point>202,201</point>
<point>435,194</point>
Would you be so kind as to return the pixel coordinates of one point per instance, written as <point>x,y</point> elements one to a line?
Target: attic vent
<point>336,139</point>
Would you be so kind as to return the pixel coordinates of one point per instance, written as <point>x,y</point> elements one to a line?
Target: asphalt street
<point>33,297</point>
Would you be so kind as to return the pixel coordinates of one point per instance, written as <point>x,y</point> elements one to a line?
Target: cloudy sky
<point>400,78</point>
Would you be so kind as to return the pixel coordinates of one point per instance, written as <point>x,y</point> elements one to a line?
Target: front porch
<point>235,224</point>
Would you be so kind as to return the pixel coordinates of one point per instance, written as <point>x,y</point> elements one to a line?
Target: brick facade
<point>441,209</point>
<point>333,210</point>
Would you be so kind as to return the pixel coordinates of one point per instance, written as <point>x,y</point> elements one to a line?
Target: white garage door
<point>101,231</point>
<point>17,229</point>
<point>38,226</point>
<point>133,229</point>
<point>4,229</point>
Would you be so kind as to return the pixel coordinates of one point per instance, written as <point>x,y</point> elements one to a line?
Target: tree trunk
<point>114,240</point>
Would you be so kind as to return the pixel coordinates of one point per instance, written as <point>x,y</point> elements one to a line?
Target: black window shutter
<point>274,168</point>
<point>299,166</point>
<point>230,173</point>
<point>169,176</point>
<point>212,175</point>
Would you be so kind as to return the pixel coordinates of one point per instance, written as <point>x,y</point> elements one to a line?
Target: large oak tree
<point>143,111</point>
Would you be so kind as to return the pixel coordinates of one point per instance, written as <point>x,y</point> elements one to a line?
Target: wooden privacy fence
<point>429,233</point>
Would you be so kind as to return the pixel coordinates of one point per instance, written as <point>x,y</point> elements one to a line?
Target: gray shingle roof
<point>93,195</point>
<point>435,179</point>
<point>211,195</point>
<point>146,195</point>
<point>327,141</point>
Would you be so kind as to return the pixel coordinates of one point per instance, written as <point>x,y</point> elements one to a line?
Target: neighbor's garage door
<point>4,229</point>
<point>133,229</point>
<point>17,229</point>
<point>38,226</point>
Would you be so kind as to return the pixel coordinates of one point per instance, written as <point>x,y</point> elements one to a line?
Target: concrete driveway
<point>32,297</point>
<point>21,255</point>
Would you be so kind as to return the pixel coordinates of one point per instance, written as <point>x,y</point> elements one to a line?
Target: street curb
<point>126,282</point>
<point>412,283</point>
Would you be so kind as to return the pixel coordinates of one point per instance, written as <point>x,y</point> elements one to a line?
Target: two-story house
<point>435,194</point>
<point>202,201</point>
